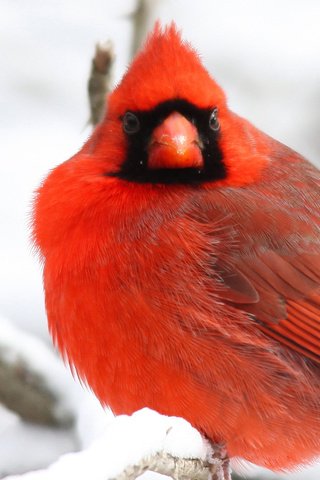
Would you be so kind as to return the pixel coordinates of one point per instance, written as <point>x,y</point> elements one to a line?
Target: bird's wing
<point>288,308</point>
<point>273,271</point>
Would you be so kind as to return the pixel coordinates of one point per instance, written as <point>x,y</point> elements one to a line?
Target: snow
<point>26,447</point>
<point>265,55</point>
<point>126,441</point>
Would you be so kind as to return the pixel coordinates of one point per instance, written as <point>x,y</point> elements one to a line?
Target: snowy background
<point>265,55</point>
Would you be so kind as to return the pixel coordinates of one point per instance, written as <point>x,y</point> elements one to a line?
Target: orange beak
<point>175,144</point>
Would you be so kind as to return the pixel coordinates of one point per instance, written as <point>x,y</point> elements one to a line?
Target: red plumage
<point>197,299</point>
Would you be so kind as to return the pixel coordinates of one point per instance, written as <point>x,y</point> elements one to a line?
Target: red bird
<point>181,262</point>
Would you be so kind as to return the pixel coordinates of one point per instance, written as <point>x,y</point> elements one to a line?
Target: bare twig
<point>100,80</point>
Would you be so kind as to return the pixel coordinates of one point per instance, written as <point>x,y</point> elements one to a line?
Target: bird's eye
<point>130,123</point>
<point>213,120</point>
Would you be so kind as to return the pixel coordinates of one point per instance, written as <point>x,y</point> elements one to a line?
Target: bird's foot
<point>221,469</point>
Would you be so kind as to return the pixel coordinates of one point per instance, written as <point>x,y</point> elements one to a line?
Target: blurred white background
<point>264,54</point>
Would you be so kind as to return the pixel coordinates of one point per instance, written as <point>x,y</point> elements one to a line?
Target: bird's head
<point>167,131</point>
<point>168,122</point>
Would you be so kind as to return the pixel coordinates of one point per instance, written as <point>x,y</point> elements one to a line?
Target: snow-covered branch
<point>29,378</point>
<point>132,445</point>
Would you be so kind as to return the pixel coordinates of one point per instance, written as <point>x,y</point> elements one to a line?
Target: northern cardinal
<point>181,262</point>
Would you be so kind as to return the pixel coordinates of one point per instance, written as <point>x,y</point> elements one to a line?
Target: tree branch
<point>26,387</point>
<point>174,467</point>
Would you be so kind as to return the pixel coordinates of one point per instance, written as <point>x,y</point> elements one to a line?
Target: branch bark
<point>178,468</point>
